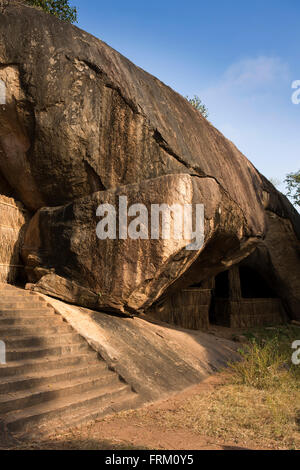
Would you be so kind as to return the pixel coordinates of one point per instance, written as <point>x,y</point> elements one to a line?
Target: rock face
<point>83,125</point>
<point>156,361</point>
<point>13,219</point>
<point>130,274</point>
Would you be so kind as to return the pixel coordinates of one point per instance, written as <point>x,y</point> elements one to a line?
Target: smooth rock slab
<point>155,360</point>
<point>67,259</point>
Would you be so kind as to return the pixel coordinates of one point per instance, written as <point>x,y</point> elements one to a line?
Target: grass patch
<point>241,414</point>
<point>266,360</point>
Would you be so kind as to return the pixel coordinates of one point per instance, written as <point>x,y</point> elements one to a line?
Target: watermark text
<point>296,94</point>
<point>296,354</point>
<point>2,92</point>
<point>2,353</point>
<point>161,221</point>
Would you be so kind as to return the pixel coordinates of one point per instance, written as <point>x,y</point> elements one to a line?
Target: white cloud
<point>251,105</point>
<point>254,73</point>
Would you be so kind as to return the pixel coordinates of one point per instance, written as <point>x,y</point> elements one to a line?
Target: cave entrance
<point>187,308</point>
<point>236,298</point>
<point>243,298</point>
<point>253,285</point>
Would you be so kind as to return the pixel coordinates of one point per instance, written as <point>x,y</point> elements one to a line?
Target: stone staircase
<point>52,379</point>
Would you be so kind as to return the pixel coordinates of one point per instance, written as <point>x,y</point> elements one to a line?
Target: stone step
<point>37,320</point>
<point>28,398</point>
<point>11,292</point>
<point>53,379</point>
<point>126,400</point>
<point>20,313</point>
<point>20,296</point>
<point>64,408</point>
<point>71,373</point>
<point>38,353</point>
<point>5,286</point>
<point>38,366</point>
<point>8,331</point>
<point>30,304</point>
<point>5,297</point>
<point>17,342</point>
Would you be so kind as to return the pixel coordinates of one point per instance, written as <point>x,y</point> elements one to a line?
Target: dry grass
<point>240,414</point>
<point>266,366</point>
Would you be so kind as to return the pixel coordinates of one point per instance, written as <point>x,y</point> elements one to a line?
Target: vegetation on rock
<point>292,181</point>
<point>59,8</point>
<point>197,103</point>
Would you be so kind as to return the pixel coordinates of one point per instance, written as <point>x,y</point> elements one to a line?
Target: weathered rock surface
<point>130,274</point>
<point>96,121</point>
<point>277,259</point>
<point>82,121</point>
<point>154,359</point>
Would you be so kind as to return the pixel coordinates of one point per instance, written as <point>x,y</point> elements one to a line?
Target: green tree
<point>292,182</point>
<point>197,103</point>
<point>59,8</point>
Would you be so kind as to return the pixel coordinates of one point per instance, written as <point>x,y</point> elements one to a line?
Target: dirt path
<point>130,431</point>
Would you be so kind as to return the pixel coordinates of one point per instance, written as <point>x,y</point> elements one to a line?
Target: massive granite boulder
<point>82,125</point>
<point>130,274</point>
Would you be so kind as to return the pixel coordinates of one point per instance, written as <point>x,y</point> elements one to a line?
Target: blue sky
<point>239,56</point>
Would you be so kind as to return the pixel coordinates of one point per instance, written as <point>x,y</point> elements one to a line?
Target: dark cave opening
<point>239,285</point>
<point>253,285</point>
<point>222,285</point>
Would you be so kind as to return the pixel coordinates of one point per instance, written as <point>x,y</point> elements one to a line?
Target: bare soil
<point>133,430</point>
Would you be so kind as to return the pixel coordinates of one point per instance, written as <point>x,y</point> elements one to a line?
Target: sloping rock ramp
<point>155,358</point>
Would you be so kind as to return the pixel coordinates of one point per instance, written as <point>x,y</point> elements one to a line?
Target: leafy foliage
<point>267,360</point>
<point>292,181</point>
<point>59,8</point>
<point>197,103</point>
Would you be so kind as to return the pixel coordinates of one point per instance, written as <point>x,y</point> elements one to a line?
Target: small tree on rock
<point>197,103</point>
<point>59,8</point>
<point>292,181</point>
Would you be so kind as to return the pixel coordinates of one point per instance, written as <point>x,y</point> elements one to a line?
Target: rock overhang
<point>82,119</point>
